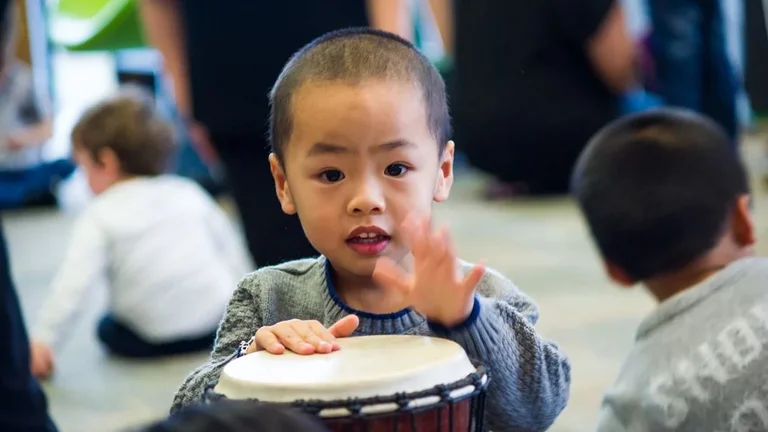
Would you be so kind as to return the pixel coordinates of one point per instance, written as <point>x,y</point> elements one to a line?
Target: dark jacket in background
<point>526,98</point>
<point>23,407</point>
<point>235,52</point>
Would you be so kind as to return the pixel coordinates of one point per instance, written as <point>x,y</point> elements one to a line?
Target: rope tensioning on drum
<point>478,379</point>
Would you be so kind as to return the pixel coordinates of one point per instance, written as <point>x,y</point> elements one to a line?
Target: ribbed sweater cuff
<point>442,330</point>
<point>478,333</point>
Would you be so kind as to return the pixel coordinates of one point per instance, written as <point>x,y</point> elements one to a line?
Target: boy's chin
<point>362,267</point>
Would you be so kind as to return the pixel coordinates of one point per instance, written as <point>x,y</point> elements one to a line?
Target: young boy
<point>667,202</point>
<point>163,249</point>
<point>359,132</point>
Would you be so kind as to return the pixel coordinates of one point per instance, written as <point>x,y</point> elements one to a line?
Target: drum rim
<point>479,379</point>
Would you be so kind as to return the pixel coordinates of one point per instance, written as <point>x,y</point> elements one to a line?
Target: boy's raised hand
<point>303,337</point>
<point>436,288</point>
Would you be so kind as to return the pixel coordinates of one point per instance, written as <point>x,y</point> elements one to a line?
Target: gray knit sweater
<point>530,376</point>
<point>700,360</point>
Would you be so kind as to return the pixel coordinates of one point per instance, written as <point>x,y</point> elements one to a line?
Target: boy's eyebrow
<point>322,148</point>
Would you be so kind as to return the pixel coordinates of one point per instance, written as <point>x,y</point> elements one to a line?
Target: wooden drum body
<point>374,383</point>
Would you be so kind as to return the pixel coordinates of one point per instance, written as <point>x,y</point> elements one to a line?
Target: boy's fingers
<point>473,277</point>
<point>308,335</point>
<point>417,231</point>
<point>320,330</point>
<point>292,340</point>
<point>447,240</point>
<point>324,334</point>
<point>345,326</point>
<point>267,340</point>
<point>409,229</point>
<point>441,256</point>
<point>42,366</point>
<point>389,275</point>
<point>48,362</point>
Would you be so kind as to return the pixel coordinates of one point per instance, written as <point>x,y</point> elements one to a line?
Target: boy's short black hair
<point>351,56</point>
<point>657,189</point>
<point>238,416</point>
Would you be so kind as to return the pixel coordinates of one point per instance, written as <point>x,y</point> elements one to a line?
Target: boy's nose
<point>368,200</point>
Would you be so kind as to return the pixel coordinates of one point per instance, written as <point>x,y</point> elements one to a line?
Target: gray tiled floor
<point>541,245</point>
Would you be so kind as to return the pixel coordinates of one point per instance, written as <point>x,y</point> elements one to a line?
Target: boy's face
<point>100,175</point>
<point>359,160</point>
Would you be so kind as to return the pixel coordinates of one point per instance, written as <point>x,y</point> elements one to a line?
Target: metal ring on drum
<point>373,384</point>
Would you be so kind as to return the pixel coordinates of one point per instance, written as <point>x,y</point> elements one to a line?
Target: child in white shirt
<point>165,251</point>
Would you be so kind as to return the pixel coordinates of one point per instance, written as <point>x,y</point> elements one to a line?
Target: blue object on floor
<point>640,100</point>
<point>24,187</point>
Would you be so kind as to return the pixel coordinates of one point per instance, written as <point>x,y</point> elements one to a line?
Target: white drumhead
<point>365,366</point>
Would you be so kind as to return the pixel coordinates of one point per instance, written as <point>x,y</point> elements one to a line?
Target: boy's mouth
<point>369,240</point>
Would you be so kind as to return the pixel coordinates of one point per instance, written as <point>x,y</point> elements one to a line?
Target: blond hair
<point>129,125</point>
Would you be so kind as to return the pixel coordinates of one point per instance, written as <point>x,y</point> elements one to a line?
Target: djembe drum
<point>373,384</point>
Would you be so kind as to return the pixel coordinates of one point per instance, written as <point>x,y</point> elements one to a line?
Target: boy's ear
<point>107,158</point>
<point>742,225</point>
<point>444,180</point>
<point>282,188</point>
<point>618,275</point>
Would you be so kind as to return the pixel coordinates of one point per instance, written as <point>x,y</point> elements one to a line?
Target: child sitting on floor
<point>667,202</point>
<point>166,253</point>
<point>360,138</point>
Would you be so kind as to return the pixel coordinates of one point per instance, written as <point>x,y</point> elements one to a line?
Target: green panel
<point>88,25</point>
<point>80,8</point>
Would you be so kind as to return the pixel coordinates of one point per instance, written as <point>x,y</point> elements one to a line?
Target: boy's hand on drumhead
<point>303,337</point>
<point>436,288</point>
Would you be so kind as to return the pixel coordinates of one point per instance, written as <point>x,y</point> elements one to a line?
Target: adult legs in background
<point>23,406</point>
<point>273,237</point>
<point>721,87</point>
<point>735,32</point>
<point>188,162</point>
<point>692,65</point>
<point>122,341</point>
<point>535,161</point>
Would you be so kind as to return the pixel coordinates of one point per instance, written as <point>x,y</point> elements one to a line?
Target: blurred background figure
<point>223,58</point>
<point>26,123</point>
<point>24,407</point>
<point>534,84</point>
<point>693,67</point>
<point>158,244</point>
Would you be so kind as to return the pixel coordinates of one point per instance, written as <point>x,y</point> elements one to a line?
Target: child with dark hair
<point>361,151</point>
<point>238,416</point>
<point>667,202</point>
<point>166,253</point>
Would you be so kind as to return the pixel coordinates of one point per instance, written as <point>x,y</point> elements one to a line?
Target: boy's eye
<point>331,175</point>
<point>396,170</point>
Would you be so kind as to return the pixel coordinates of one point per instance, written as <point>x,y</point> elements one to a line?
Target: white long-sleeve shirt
<point>167,254</point>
